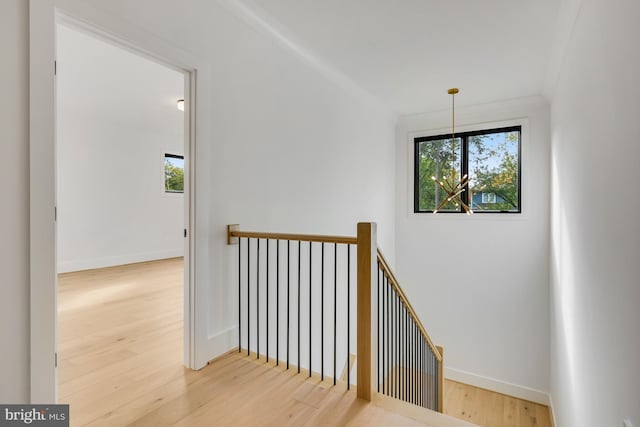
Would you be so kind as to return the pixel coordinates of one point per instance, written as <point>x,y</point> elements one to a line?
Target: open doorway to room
<point>121,238</point>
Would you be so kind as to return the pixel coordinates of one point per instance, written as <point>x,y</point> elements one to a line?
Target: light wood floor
<point>120,363</point>
<point>120,340</point>
<point>490,409</point>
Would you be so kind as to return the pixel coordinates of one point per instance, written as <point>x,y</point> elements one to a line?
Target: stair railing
<point>278,273</point>
<point>295,288</point>
<point>410,366</point>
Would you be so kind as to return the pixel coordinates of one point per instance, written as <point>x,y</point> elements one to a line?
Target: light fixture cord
<point>453,117</point>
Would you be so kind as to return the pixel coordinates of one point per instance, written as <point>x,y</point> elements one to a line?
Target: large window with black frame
<point>489,158</point>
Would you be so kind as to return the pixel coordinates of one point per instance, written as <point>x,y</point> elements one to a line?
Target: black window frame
<point>464,167</point>
<point>164,159</point>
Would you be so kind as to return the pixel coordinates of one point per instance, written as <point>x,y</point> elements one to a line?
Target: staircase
<point>313,303</point>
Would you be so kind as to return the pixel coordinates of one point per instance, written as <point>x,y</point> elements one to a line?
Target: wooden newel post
<point>366,307</point>
<point>440,380</point>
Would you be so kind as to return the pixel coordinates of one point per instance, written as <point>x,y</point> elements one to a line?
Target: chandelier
<point>452,188</point>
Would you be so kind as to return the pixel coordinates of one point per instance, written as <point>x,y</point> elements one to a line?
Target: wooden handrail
<point>407,304</point>
<point>233,232</point>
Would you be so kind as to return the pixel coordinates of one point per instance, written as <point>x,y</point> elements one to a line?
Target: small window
<point>491,160</point>
<point>173,173</point>
<point>488,197</point>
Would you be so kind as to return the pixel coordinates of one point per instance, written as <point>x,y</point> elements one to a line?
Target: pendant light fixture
<point>453,189</point>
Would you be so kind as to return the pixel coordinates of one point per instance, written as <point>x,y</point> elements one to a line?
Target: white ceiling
<point>407,53</point>
<point>101,82</point>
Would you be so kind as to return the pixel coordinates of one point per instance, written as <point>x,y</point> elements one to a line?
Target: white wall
<point>116,118</point>
<point>595,345</point>
<point>494,328</point>
<point>308,156</point>
<point>14,214</point>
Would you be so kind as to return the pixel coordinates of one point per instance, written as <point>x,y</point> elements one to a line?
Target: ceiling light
<point>452,188</point>
<point>180,104</point>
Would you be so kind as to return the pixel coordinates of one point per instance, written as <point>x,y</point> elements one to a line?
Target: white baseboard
<point>503,387</point>
<point>110,261</point>
<point>217,345</point>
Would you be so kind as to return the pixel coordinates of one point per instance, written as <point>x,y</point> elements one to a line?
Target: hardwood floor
<point>491,409</point>
<point>120,363</point>
<point>120,337</point>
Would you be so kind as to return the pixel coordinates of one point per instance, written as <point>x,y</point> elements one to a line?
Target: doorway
<point>44,18</point>
<point>122,220</point>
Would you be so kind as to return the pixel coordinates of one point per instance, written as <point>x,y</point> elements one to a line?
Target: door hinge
<point>185,232</point>
<point>56,359</point>
<point>55,213</point>
<point>55,68</point>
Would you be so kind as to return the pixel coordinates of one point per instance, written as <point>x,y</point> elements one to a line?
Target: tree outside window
<point>173,173</point>
<point>491,159</point>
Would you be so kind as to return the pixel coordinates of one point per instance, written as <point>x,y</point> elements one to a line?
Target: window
<point>173,173</point>
<point>491,159</point>
<point>488,197</point>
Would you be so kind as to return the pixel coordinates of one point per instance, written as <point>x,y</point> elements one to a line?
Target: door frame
<point>45,15</point>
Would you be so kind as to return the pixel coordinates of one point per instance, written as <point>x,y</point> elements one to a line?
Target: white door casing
<point>44,14</point>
